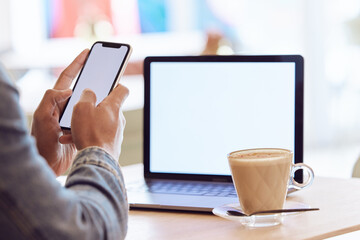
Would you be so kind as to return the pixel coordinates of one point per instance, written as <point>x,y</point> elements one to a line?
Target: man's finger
<point>66,139</point>
<point>117,96</point>
<point>68,75</point>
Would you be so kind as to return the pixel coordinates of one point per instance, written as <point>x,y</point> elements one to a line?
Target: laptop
<point>197,109</point>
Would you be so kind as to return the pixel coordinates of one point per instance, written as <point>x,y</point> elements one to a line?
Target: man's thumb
<point>63,95</point>
<point>88,96</point>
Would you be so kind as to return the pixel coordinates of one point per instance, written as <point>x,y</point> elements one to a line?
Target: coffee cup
<point>262,177</point>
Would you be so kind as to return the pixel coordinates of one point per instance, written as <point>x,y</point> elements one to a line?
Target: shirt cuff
<point>95,148</point>
<point>96,156</point>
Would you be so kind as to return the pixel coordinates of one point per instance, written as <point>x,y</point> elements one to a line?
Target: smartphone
<point>101,72</point>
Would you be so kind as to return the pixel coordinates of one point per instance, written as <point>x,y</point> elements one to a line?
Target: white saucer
<point>258,220</point>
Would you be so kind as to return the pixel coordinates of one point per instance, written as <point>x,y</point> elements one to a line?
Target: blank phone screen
<point>99,74</point>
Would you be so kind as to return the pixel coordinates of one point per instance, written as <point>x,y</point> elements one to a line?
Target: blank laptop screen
<point>201,111</point>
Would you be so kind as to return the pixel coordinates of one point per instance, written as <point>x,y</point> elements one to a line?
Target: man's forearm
<point>96,177</point>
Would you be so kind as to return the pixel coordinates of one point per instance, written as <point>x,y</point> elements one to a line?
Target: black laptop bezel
<point>299,109</point>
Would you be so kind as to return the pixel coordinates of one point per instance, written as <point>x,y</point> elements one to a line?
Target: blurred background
<point>40,37</point>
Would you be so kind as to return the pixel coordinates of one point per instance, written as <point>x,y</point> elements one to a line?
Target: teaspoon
<point>238,213</point>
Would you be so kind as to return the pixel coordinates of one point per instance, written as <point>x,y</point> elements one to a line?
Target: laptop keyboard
<point>186,188</point>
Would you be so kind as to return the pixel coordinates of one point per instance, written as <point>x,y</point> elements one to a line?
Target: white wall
<point>5,36</point>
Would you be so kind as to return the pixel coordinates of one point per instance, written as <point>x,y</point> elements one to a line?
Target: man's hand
<point>54,144</point>
<point>102,125</point>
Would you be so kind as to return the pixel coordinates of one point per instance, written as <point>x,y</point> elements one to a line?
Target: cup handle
<point>309,180</point>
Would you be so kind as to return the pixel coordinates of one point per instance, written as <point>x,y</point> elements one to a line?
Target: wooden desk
<point>338,200</point>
